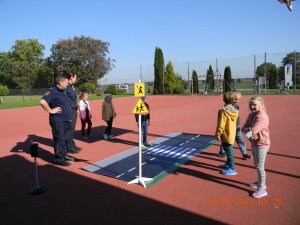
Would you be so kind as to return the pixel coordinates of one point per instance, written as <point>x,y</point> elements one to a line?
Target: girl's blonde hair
<point>260,100</point>
<point>83,94</point>
<point>107,96</point>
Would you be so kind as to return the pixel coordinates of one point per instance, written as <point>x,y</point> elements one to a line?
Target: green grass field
<point>10,102</point>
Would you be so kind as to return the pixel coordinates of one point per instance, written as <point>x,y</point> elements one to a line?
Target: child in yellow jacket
<point>225,132</point>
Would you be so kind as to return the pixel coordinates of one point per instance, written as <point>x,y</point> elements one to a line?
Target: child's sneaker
<point>261,192</point>
<point>110,137</point>
<point>224,167</point>
<point>229,172</point>
<point>146,144</point>
<point>255,185</point>
<point>222,154</point>
<point>246,156</point>
<point>105,136</point>
<point>143,146</point>
<point>85,137</point>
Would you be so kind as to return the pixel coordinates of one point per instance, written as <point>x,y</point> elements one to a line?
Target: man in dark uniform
<point>56,102</point>
<point>72,77</point>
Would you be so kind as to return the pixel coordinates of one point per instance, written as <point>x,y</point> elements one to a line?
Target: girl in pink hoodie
<point>256,129</point>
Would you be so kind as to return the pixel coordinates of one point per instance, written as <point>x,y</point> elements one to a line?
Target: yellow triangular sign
<point>140,108</point>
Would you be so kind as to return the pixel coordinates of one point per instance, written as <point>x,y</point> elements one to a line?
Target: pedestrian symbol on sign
<point>140,108</point>
<point>139,89</point>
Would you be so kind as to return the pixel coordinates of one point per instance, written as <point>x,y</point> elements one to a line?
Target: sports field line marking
<point>120,175</point>
<point>131,169</point>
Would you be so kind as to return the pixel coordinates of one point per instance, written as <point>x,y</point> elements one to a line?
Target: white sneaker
<point>105,136</point>
<point>110,137</point>
<point>260,193</point>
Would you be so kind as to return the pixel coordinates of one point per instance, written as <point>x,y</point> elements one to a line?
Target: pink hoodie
<point>258,122</point>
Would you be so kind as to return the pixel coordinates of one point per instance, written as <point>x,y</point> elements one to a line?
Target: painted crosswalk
<point>164,156</point>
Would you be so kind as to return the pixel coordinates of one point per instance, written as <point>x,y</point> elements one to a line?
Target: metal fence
<point>242,70</point>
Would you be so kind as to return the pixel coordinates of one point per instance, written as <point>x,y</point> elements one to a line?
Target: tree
<point>5,73</point>
<point>45,77</point>
<point>195,86</point>
<point>172,81</point>
<point>158,71</point>
<point>273,77</point>
<point>260,72</point>
<point>210,81</point>
<point>227,79</point>
<point>26,59</point>
<point>85,55</point>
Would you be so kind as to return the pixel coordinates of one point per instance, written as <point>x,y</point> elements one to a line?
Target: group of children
<point>228,131</point>
<point>108,115</point>
<point>256,129</point>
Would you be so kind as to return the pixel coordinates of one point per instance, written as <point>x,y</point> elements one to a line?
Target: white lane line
<point>131,169</point>
<point>120,175</point>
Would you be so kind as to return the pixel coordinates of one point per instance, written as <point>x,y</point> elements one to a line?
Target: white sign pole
<point>140,180</point>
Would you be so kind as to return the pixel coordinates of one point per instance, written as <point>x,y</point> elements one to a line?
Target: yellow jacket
<point>226,126</point>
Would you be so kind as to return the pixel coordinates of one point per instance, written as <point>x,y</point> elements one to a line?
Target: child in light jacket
<point>256,129</point>
<point>85,115</point>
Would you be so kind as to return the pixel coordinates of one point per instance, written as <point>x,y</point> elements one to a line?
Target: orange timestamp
<point>244,201</point>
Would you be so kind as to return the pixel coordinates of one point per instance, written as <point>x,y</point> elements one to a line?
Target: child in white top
<point>85,115</point>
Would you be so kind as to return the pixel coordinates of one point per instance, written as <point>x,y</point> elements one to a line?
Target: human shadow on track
<point>46,155</point>
<point>83,200</point>
<point>97,133</point>
<point>212,178</point>
<point>208,155</point>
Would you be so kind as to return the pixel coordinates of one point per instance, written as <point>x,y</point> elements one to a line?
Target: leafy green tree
<point>173,83</point>
<point>227,79</point>
<point>26,59</point>
<point>111,89</point>
<point>195,86</point>
<point>210,81</point>
<point>85,55</point>
<point>273,77</point>
<point>260,72</point>
<point>45,76</point>
<point>88,87</point>
<point>158,71</point>
<point>5,71</point>
<point>3,90</point>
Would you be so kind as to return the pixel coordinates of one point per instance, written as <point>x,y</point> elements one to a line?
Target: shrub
<point>88,87</point>
<point>4,90</point>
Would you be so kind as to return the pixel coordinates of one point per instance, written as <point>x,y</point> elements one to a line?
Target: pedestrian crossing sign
<point>140,108</point>
<point>139,89</point>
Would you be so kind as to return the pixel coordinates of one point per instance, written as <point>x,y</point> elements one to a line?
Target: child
<point>145,122</point>
<point>225,132</point>
<point>85,115</point>
<point>256,129</point>
<point>108,115</point>
<point>238,137</point>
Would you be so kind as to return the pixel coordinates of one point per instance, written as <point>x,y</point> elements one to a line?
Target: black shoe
<point>77,148</point>
<point>69,158</point>
<point>246,156</point>
<point>73,151</point>
<point>222,154</point>
<point>63,163</point>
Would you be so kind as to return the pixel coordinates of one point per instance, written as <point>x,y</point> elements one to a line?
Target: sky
<point>185,30</point>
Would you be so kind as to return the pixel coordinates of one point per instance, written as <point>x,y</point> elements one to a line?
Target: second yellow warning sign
<point>140,108</point>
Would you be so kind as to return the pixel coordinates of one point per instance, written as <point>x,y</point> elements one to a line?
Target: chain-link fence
<point>242,70</point>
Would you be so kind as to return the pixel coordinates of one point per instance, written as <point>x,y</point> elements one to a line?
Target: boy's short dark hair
<point>228,97</point>
<point>60,77</point>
